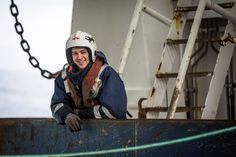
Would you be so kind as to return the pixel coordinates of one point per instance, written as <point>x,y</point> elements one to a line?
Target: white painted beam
<point>218,79</point>
<point>130,36</point>
<point>186,59</point>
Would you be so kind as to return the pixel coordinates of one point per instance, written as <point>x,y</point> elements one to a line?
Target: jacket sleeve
<point>113,95</point>
<point>112,98</point>
<point>60,102</point>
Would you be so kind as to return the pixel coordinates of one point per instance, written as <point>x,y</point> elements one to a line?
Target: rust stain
<point>141,111</point>
<point>159,67</point>
<point>173,100</point>
<point>8,122</point>
<point>133,31</point>
<point>153,91</point>
<point>75,144</point>
<point>178,22</point>
<point>6,126</point>
<point>104,131</point>
<point>129,141</point>
<point>81,142</point>
<point>177,81</point>
<point>177,91</point>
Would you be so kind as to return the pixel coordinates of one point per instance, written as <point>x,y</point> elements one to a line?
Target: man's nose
<point>79,55</point>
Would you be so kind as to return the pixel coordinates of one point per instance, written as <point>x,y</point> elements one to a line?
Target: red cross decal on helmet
<point>75,37</point>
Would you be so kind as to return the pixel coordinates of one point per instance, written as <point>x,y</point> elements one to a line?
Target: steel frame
<point>212,100</point>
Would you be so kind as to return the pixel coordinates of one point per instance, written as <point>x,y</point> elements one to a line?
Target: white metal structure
<point>137,39</point>
<point>222,67</point>
<point>220,72</point>
<point>132,28</point>
<point>186,59</point>
<point>169,56</point>
<point>170,52</point>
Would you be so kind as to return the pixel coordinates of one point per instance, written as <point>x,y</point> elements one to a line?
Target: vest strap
<point>90,85</point>
<point>89,82</point>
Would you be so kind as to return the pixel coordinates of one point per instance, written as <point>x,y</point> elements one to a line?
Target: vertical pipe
<point>196,96</point>
<point>130,36</point>
<point>194,81</point>
<point>227,97</point>
<point>186,59</point>
<point>187,98</point>
<point>231,90</point>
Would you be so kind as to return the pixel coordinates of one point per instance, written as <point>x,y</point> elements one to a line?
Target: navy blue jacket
<point>111,96</point>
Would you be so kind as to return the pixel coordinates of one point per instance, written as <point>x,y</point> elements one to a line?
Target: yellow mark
<point>178,22</point>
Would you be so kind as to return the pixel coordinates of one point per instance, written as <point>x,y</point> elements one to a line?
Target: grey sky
<point>46,26</point>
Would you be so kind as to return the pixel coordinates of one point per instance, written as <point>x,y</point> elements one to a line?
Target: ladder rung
<point>194,8</point>
<point>189,75</point>
<point>178,109</point>
<point>184,41</point>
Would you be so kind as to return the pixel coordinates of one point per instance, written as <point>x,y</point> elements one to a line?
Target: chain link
<point>25,45</point>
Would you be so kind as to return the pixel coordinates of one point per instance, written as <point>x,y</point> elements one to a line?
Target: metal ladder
<point>221,67</point>
<point>176,30</point>
<point>170,55</point>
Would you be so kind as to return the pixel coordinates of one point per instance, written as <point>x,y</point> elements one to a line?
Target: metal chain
<point>25,45</point>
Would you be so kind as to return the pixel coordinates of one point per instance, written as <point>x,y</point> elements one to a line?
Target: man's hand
<point>73,122</point>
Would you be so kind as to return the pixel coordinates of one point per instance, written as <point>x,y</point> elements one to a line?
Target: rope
<point>141,147</point>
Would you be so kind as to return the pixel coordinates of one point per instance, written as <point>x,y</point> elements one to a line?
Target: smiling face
<point>80,57</point>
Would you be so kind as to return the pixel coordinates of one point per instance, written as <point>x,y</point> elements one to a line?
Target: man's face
<point>80,57</point>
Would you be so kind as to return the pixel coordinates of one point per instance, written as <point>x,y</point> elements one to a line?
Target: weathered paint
<point>44,136</point>
<point>220,71</point>
<point>130,36</point>
<point>178,22</point>
<point>189,75</point>
<point>186,59</point>
<point>194,8</point>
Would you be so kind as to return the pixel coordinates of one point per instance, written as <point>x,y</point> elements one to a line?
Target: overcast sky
<point>46,26</point>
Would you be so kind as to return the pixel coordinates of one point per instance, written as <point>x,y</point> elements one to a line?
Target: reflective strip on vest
<point>101,70</point>
<point>97,83</point>
<point>107,113</point>
<point>58,106</point>
<point>63,75</point>
<point>66,86</point>
<point>96,112</point>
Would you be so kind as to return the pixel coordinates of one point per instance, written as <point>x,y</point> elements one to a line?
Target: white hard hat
<point>80,39</point>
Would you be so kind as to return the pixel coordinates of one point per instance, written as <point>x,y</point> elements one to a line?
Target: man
<point>89,87</point>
